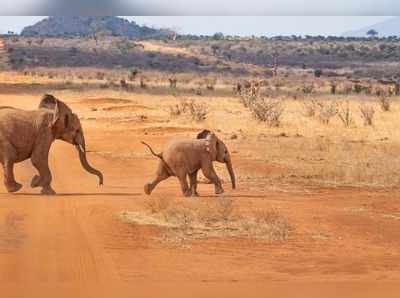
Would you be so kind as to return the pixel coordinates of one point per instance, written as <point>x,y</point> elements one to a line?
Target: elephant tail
<point>159,155</point>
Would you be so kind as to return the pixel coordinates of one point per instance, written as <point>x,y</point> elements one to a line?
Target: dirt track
<point>76,237</point>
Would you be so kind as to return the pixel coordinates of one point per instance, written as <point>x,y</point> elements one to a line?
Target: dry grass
<point>189,107</point>
<point>184,221</point>
<point>307,151</point>
<point>367,113</point>
<point>345,114</point>
<point>326,111</point>
<point>264,109</point>
<point>384,102</point>
<point>310,106</point>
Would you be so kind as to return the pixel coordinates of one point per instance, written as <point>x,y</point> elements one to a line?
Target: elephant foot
<point>187,193</point>
<point>13,187</point>
<point>35,182</point>
<point>195,194</point>
<point>48,191</point>
<point>147,189</point>
<point>219,190</point>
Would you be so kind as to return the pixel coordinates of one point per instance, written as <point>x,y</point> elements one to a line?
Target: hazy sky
<point>202,7</point>
<point>234,25</point>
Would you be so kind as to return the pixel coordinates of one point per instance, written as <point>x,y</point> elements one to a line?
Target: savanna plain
<point>317,170</point>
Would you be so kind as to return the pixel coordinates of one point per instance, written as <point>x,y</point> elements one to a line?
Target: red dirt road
<point>75,239</point>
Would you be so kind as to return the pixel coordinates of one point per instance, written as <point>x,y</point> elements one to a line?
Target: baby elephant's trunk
<point>229,167</point>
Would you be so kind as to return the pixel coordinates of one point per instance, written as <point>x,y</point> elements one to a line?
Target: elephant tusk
<point>81,148</point>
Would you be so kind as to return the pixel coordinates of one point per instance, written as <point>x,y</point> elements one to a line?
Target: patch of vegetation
<point>185,221</point>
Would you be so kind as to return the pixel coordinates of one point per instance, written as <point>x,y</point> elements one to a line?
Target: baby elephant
<point>184,157</point>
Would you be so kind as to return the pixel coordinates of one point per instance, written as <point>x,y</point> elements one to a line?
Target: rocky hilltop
<point>83,26</point>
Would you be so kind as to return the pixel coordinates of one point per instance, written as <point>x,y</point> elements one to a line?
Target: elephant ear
<point>203,134</point>
<point>211,145</point>
<point>50,102</point>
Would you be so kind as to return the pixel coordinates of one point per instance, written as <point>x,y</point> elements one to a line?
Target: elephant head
<point>218,151</point>
<point>66,126</point>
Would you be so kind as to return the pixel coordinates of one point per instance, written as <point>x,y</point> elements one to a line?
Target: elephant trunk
<point>228,163</point>
<point>81,147</point>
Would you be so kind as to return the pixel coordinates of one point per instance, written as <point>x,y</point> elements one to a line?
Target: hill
<point>83,26</point>
<point>390,27</point>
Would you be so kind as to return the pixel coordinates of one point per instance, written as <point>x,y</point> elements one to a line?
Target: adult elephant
<point>29,134</point>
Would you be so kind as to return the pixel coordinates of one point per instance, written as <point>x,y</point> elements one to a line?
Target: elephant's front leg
<point>40,162</point>
<point>209,173</point>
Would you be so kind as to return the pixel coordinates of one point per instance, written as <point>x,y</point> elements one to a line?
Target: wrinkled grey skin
<point>29,134</point>
<point>184,157</point>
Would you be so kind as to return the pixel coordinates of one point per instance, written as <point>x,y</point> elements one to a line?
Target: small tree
<point>218,36</point>
<point>123,46</point>
<point>317,73</point>
<point>372,33</point>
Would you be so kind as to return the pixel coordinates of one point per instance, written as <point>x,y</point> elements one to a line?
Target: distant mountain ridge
<point>390,27</point>
<point>83,25</point>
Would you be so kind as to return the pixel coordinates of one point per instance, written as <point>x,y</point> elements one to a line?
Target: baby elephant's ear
<point>50,102</point>
<point>203,134</point>
<point>211,145</point>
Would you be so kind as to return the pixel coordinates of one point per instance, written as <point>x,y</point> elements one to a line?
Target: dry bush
<point>184,221</point>
<point>180,108</point>
<point>100,75</point>
<point>264,109</point>
<point>247,99</point>
<point>347,88</point>
<point>268,110</point>
<point>310,107</point>
<point>267,224</point>
<point>124,84</point>
<point>175,110</point>
<point>308,88</point>
<point>367,114</point>
<point>327,110</point>
<point>333,85</point>
<point>196,111</point>
<point>225,208</point>
<point>143,83</point>
<point>157,205</point>
<point>132,74</point>
<point>172,83</point>
<point>210,87</point>
<point>180,215</point>
<point>385,103</point>
<point>345,115</point>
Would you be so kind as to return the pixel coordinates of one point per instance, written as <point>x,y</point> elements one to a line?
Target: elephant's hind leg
<point>161,175</point>
<point>193,184</point>
<point>8,159</point>
<point>186,191</point>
